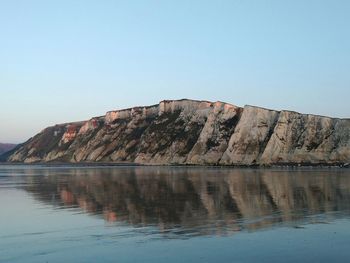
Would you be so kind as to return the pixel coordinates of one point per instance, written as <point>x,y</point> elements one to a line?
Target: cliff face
<point>194,132</point>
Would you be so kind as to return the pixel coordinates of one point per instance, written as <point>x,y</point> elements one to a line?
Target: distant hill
<point>5,147</point>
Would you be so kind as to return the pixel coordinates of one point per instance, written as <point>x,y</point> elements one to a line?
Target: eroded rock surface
<point>194,132</point>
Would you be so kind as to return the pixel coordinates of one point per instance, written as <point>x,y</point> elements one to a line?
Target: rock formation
<point>194,132</point>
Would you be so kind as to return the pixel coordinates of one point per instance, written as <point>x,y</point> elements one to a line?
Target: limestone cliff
<point>194,132</point>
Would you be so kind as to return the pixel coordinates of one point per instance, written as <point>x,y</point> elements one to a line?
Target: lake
<point>173,214</point>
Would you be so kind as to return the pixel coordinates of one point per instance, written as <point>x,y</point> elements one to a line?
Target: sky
<point>70,60</point>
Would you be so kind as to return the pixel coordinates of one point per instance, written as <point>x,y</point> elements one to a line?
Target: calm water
<point>153,214</point>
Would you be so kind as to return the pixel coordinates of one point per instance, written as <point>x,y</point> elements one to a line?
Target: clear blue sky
<point>70,60</point>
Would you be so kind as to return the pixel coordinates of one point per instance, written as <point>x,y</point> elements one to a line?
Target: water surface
<point>173,214</point>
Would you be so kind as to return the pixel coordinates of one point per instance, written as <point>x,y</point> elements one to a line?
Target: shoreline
<point>112,164</point>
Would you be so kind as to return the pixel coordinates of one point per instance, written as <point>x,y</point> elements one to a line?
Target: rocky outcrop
<point>301,138</point>
<point>194,132</point>
<point>250,136</point>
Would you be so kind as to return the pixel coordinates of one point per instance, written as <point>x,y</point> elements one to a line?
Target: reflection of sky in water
<point>172,214</point>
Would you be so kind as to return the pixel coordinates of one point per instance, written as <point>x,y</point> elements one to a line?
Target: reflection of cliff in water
<point>221,200</point>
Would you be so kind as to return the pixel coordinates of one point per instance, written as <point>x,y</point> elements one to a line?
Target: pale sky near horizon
<point>65,61</point>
